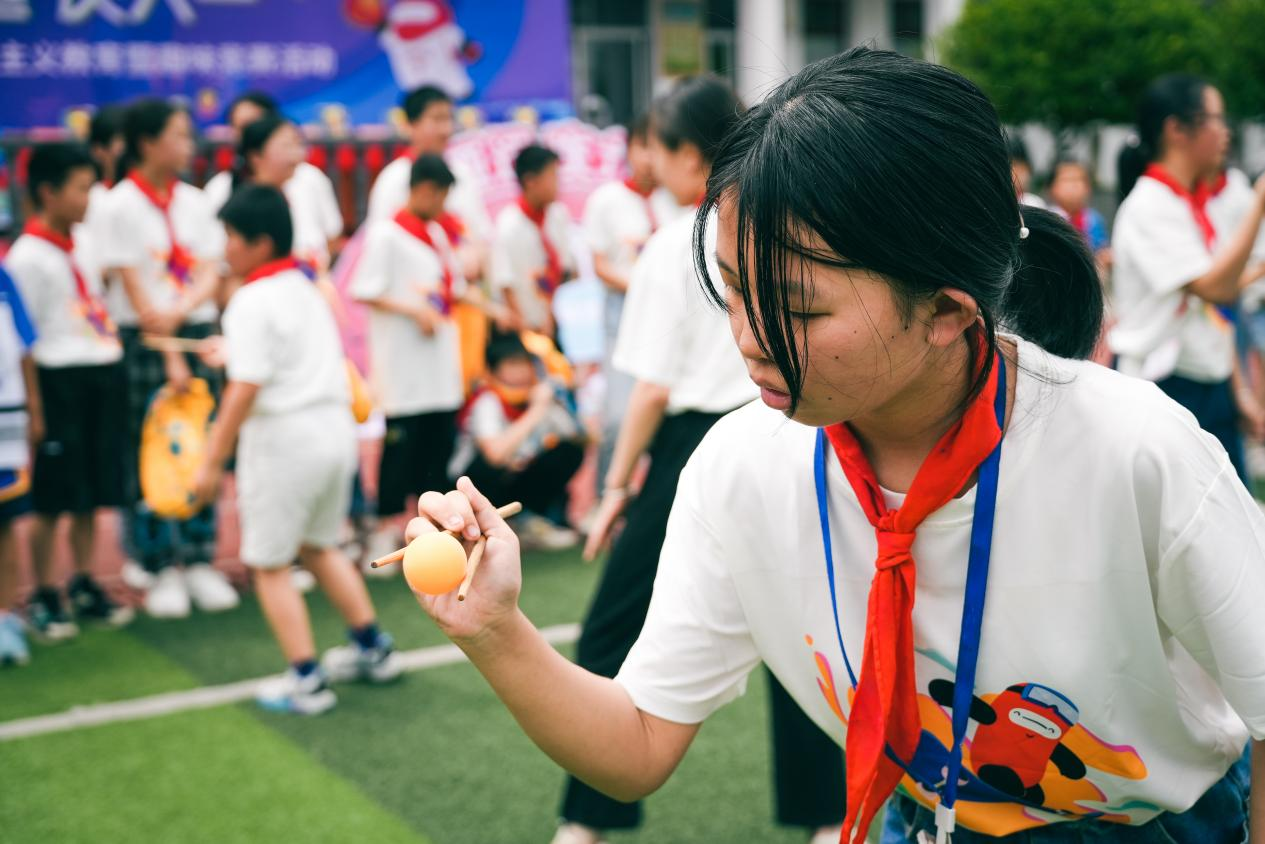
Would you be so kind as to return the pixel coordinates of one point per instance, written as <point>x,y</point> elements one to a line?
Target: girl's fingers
<point>440,510</point>
<point>416,527</point>
<point>489,520</point>
<point>460,504</point>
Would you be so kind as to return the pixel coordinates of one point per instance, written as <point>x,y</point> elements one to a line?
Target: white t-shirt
<point>281,335</point>
<point>518,257</point>
<point>617,221</point>
<point>136,236</point>
<point>91,235</point>
<point>1139,604</point>
<point>309,216</point>
<point>465,198</point>
<point>1157,250</point>
<point>17,336</point>
<point>67,337</point>
<point>410,372</point>
<point>672,335</point>
<point>1237,197</point>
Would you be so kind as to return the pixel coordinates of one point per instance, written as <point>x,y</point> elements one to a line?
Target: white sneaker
<point>827,835</point>
<point>536,533</point>
<point>210,590</point>
<point>381,543</point>
<point>300,695</point>
<point>574,833</point>
<point>348,663</point>
<point>136,577</point>
<point>302,580</point>
<point>169,597</point>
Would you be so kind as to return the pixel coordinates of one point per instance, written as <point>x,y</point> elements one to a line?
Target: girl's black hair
<point>144,120</point>
<point>700,110</point>
<point>1179,95</point>
<point>901,168</point>
<point>254,138</point>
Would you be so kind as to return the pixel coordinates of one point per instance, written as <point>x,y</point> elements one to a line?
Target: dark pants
<point>1219,817</point>
<point>808,765</point>
<point>415,455</point>
<point>158,543</point>
<point>1215,411</point>
<point>541,485</point>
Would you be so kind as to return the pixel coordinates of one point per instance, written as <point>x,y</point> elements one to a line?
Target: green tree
<point>1071,63</point>
<point>1240,39</point>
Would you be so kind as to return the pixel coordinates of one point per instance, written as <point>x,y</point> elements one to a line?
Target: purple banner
<point>326,61</point>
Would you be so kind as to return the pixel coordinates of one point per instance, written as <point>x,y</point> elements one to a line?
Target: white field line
<point>153,706</point>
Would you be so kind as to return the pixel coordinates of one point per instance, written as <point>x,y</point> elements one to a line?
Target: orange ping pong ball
<point>434,563</point>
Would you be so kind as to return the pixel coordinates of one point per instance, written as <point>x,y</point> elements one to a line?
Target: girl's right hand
<point>493,595</point>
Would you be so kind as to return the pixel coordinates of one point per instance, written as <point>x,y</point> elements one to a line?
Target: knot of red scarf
<point>894,548</point>
<point>1197,200</point>
<point>273,268</point>
<point>645,198</point>
<point>93,309</point>
<point>418,227</point>
<point>179,261</point>
<point>884,714</point>
<point>552,279</point>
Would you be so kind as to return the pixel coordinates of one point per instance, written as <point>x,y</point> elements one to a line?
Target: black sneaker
<point>91,603</point>
<point>49,620</point>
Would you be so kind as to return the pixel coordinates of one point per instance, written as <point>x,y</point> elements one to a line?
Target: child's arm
<point>513,319</point>
<point>34,403</point>
<point>500,449</point>
<point>611,277</point>
<point>426,317</point>
<point>239,396</point>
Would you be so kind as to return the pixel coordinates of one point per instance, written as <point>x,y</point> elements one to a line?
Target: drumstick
<point>170,344</point>
<point>476,557</point>
<point>511,509</point>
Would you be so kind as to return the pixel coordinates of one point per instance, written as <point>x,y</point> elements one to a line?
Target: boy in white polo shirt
<point>409,278</point>
<point>288,398</point>
<point>530,255</point>
<point>79,462</point>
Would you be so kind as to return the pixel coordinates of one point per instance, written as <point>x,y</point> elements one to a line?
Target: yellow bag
<point>361,398</point>
<point>556,364</point>
<point>472,329</point>
<point>173,443</point>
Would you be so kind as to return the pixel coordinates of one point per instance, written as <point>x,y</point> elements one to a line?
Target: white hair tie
<point>1023,232</point>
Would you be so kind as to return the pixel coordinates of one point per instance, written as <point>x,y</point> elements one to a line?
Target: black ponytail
<point>1050,301</point>
<point>254,138</point>
<point>144,120</point>
<point>1179,95</point>
<point>902,169</point>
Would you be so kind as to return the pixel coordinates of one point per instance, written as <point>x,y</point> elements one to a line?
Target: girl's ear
<point>952,313</point>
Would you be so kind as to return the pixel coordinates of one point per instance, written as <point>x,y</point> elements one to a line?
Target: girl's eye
<point>804,316</point>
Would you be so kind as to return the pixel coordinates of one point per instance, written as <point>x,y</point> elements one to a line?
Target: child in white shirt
<point>287,397</point>
<point>409,277</point>
<point>530,255</point>
<point>79,465</point>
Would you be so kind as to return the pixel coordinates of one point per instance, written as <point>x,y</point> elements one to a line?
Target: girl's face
<point>281,154</point>
<point>1209,139</point>
<point>172,150</point>
<point>1070,187</point>
<point>640,160</point>
<point>863,350</point>
<point>682,170</point>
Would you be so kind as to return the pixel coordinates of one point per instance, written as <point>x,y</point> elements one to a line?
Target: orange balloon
<point>434,563</point>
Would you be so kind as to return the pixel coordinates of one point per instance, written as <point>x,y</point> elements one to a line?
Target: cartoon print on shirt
<point>1029,762</point>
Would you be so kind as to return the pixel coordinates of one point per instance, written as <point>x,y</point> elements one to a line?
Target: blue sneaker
<point>13,647</point>
<point>298,695</point>
<point>349,663</point>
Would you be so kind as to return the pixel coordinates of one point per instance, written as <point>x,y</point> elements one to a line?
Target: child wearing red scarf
<point>531,255</point>
<point>79,466</point>
<point>1022,590</point>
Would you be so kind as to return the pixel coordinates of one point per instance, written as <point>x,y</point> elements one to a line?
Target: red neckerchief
<point>1198,201</point>
<point>885,709</point>
<point>645,198</point>
<point>514,402</point>
<point>272,268</point>
<point>179,261</point>
<point>418,227</point>
<point>453,226</point>
<point>411,30</point>
<point>552,278</point>
<point>93,309</point>
<point>1080,221</point>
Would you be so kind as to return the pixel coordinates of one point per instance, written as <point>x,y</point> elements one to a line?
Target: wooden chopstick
<point>511,509</point>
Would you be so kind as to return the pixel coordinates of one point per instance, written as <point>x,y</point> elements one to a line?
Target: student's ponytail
<point>1177,95</point>
<point>1055,298</point>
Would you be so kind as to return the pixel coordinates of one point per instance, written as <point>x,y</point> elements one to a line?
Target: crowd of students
<point>119,251</point>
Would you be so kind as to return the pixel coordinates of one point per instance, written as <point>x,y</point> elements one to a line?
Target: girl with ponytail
<point>1021,590</point>
<point>1182,257</point>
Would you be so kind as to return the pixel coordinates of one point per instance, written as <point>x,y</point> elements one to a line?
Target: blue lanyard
<point>976,583</point>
